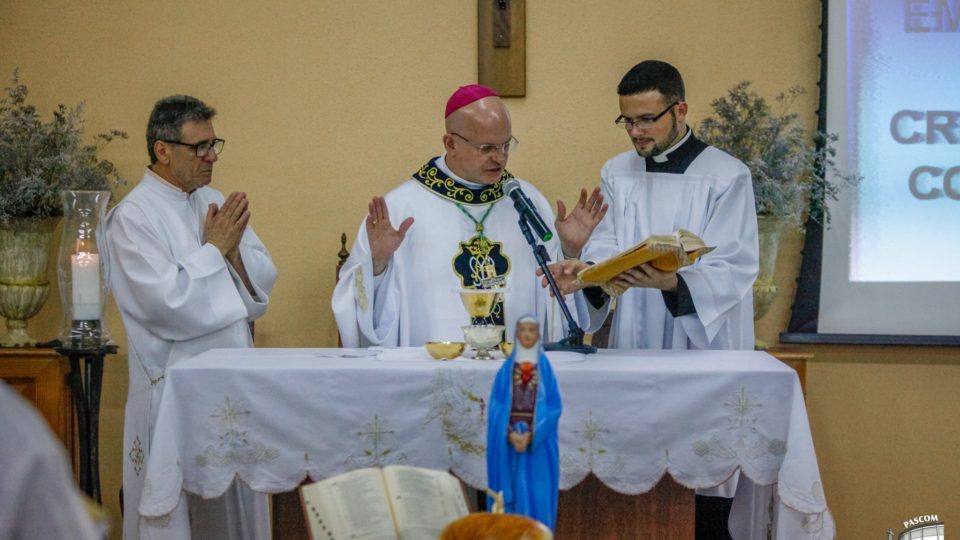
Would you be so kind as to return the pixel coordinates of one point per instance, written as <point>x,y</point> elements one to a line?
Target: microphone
<point>526,209</point>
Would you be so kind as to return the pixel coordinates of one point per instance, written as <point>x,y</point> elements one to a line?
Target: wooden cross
<point>501,46</point>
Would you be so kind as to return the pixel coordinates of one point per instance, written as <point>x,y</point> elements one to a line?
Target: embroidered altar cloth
<point>273,417</point>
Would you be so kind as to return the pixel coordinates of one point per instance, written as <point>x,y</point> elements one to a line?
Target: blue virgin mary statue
<point>523,453</point>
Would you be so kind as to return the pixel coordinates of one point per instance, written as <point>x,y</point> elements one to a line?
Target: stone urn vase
<point>24,253</point>
<point>764,288</point>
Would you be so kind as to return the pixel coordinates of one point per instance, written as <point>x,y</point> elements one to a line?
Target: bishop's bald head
<point>478,134</point>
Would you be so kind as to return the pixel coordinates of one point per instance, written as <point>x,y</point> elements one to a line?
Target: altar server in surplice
<point>188,274</point>
<point>448,227</point>
<point>671,180</point>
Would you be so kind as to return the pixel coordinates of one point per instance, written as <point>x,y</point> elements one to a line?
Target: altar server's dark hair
<point>653,75</point>
<point>168,116</point>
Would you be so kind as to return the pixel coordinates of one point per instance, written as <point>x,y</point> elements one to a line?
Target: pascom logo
<point>925,527</point>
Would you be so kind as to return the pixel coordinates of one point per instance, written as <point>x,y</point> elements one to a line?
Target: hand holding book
<point>652,263</point>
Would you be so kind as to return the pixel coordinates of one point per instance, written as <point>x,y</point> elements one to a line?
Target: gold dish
<point>445,350</point>
<point>506,348</point>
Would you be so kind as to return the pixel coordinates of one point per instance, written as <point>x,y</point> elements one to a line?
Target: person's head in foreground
<point>527,332</point>
<point>652,107</point>
<point>181,141</point>
<point>479,135</point>
<point>485,526</point>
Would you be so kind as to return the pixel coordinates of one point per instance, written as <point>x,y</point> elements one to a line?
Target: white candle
<point>86,286</point>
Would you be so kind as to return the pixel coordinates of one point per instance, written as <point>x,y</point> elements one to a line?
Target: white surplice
<point>178,297</point>
<point>709,193</point>
<point>703,190</point>
<point>414,300</point>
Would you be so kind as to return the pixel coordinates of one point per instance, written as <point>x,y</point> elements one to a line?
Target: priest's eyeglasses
<point>489,149</point>
<point>202,148</point>
<point>643,122</point>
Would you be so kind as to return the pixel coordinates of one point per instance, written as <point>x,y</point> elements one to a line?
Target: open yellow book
<point>393,503</point>
<point>667,253</point>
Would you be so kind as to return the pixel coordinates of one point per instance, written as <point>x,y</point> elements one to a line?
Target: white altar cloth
<point>272,417</point>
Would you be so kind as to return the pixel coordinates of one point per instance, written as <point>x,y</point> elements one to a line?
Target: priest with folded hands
<point>188,274</point>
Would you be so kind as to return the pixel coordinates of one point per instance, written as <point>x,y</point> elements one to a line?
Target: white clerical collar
<point>665,155</point>
<point>525,354</point>
<point>166,186</point>
<point>442,165</point>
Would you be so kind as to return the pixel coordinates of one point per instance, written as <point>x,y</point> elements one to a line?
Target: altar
<point>275,417</point>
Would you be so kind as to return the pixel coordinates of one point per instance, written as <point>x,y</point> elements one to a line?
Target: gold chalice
<point>479,304</point>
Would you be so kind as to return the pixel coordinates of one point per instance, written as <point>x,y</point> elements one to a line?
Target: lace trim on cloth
<point>362,302</point>
<point>591,452</point>
<point>236,446</point>
<point>743,437</point>
<point>378,450</point>
<point>137,455</point>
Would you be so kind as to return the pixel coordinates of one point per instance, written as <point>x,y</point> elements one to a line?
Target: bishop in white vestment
<point>188,275</point>
<point>449,227</point>
<point>415,299</point>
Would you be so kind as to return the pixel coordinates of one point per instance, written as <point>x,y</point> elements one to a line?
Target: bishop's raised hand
<point>575,229</point>
<point>383,238</point>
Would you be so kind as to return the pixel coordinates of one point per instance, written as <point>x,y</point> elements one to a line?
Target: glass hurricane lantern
<point>82,270</point>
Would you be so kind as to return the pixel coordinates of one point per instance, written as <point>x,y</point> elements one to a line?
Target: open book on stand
<point>667,253</point>
<point>393,503</point>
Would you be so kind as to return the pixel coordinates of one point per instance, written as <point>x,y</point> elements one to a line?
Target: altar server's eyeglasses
<point>643,121</point>
<point>202,148</point>
<point>488,149</point>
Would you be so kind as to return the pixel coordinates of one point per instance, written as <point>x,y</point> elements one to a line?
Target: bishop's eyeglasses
<point>202,148</point>
<point>489,149</point>
<point>642,122</point>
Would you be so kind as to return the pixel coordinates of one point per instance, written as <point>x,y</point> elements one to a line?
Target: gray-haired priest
<point>449,227</point>
<point>188,274</point>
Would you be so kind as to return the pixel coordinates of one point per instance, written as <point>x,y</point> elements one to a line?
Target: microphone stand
<point>574,340</point>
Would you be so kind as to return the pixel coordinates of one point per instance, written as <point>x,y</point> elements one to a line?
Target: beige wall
<point>325,104</point>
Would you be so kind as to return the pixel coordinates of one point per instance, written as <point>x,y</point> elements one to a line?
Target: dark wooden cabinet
<point>42,377</point>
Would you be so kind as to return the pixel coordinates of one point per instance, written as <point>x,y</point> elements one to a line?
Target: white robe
<point>413,300</point>
<point>713,198</point>
<point>178,297</point>
<point>38,492</point>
